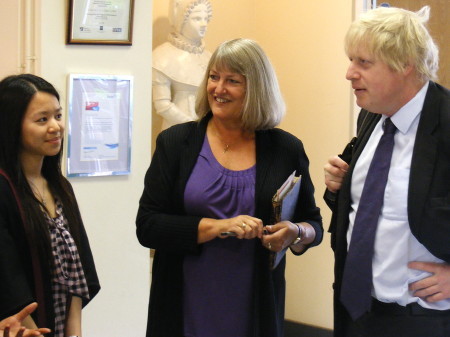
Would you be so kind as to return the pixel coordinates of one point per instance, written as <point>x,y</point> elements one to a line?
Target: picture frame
<point>100,22</point>
<point>99,125</point>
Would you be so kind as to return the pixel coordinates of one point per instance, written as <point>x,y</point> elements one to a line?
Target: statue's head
<point>190,17</point>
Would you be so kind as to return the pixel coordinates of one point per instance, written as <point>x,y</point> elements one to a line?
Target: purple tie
<point>357,279</point>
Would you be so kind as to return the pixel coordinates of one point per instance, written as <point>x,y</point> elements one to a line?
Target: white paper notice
<point>100,126</point>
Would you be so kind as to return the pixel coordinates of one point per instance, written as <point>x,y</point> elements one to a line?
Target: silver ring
<point>269,245</point>
<point>243,225</point>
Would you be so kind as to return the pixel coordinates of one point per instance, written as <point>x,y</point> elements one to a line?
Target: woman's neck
<point>32,166</point>
<point>229,134</point>
<point>226,130</point>
<point>32,169</point>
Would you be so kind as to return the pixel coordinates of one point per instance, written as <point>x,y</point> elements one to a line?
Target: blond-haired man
<point>393,62</point>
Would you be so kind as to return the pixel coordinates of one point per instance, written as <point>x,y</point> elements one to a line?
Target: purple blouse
<point>218,283</point>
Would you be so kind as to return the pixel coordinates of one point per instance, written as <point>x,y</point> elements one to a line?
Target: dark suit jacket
<point>429,188</point>
<point>163,224</point>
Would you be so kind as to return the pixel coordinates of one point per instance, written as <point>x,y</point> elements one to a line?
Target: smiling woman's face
<point>42,126</point>
<point>226,93</point>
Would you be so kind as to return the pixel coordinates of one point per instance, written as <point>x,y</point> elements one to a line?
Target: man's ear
<point>408,68</point>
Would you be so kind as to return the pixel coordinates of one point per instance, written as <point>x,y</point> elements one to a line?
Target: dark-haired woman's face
<point>42,127</point>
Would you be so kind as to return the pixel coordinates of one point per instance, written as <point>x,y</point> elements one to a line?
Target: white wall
<point>305,43</point>
<point>109,204</point>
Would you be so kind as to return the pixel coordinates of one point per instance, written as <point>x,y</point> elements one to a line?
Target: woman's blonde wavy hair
<point>264,106</point>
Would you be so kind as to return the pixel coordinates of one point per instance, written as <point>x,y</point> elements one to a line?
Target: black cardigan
<point>17,280</point>
<point>163,224</point>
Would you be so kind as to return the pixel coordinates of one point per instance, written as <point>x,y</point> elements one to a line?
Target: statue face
<point>194,28</point>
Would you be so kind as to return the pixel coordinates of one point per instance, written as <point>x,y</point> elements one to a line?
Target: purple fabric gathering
<point>217,289</point>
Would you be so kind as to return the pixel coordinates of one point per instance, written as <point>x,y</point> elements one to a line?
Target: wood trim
<point>295,329</point>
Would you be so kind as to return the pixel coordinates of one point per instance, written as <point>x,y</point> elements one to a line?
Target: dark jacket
<point>17,279</point>
<point>163,224</point>
<point>428,194</point>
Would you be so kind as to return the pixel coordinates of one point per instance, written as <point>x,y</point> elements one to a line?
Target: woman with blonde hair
<point>207,206</point>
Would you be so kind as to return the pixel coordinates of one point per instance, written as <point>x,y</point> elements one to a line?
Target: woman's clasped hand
<point>243,227</point>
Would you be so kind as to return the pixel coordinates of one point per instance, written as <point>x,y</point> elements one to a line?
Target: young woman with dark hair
<point>43,244</point>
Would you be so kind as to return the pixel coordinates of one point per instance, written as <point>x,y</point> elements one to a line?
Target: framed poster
<point>100,22</point>
<point>99,125</point>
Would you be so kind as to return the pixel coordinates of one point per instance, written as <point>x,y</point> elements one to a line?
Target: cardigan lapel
<point>188,154</point>
<point>264,162</point>
<point>191,148</point>
<point>262,158</point>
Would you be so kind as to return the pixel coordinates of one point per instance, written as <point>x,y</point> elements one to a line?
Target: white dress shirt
<point>395,245</point>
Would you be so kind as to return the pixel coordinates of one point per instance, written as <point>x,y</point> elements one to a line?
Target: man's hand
<point>435,287</point>
<point>335,171</point>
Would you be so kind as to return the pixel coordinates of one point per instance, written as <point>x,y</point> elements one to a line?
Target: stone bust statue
<point>180,63</point>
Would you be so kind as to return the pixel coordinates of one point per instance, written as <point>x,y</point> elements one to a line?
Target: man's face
<point>377,87</point>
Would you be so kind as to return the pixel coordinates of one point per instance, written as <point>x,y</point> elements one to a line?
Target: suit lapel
<point>424,157</point>
<point>345,193</point>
